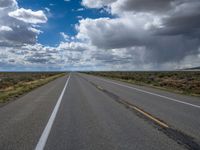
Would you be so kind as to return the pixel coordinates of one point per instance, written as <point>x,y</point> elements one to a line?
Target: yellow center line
<point>150,117</point>
<point>141,111</point>
<point>99,87</point>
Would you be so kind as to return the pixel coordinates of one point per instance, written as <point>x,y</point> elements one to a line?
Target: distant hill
<point>194,68</point>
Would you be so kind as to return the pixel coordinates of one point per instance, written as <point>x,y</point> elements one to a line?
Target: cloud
<point>47,9</point>
<point>73,46</point>
<point>35,54</point>
<point>79,17</point>
<point>141,5</point>
<point>8,3</point>
<point>64,36</point>
<point>141,34</point>
<point>51,4</point>
<point>119,6</point>
<point>80,9</point>
<point>29,16</point>
<point>18,25</point>
<point>19,48</point>
<point>34,30</point>
<point>113,33</point>
<point>183,20</point>
<point>96,4</point>
<point>18,38</point>
<point>147,33</point>
<point>5,28</point>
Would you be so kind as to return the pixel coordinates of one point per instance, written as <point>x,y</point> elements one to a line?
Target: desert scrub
<point>13,85</point>
<point>186,82</point>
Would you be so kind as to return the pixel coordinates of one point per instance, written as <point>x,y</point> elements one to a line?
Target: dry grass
<point>185,82</point>
<point>12,85</point>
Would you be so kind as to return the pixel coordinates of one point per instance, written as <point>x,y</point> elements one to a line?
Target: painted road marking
<point>150,117</point>
<point>158,95</point>
<point>43,139</point>
<point>146,114</point>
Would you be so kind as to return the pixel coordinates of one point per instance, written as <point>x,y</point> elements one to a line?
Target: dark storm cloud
<point>19,36</point>
<point>108,57</point>
<point>168,31</point>
<point>174,49</point>
<point>11,60</point>
<point>184,21</point>
<point>142,5</point>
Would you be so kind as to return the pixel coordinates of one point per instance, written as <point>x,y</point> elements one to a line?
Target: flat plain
<point>14,84</point>
<point>184,82</point>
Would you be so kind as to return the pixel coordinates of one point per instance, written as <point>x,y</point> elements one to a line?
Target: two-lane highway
<point>77,114</point>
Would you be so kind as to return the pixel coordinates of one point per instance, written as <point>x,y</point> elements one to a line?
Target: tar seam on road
<point>43,139</point>
<point>180,137</point>
<point>165,97</point>
<point>150,117</point>
<point>132,106</point>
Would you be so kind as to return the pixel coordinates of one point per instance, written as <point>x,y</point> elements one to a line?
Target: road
<point>84,112</point>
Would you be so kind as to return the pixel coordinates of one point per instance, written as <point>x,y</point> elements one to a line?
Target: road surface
<point>84,112</point>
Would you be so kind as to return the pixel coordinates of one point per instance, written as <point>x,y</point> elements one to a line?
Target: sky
<point>82,35</point>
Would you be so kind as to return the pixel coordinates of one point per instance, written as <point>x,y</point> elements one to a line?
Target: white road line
<point>158,95</point>
<point>43,139</point>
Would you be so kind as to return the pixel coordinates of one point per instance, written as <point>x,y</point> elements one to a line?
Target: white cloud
<point>80,9</point>
<point>73,46</point>
<point>79,17</point>
<point>18,26</point>
<point>65,36</point>
<point>18,35</point>
<point>47,9</point>
<point>51,4</point>
<point>35,30</point>
<point>6,28</point>
<point>97,3</point>
<point>29,16</point>
<point>114,33</point>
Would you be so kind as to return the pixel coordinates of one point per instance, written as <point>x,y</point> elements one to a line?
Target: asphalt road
<point>83,112</point>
